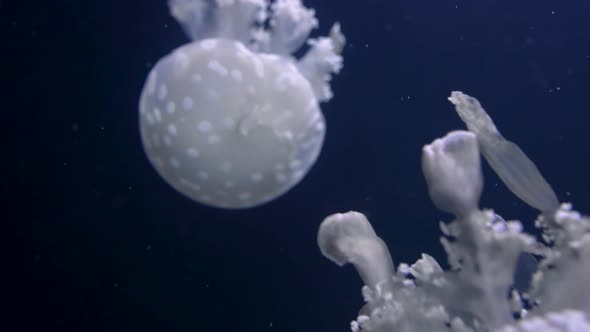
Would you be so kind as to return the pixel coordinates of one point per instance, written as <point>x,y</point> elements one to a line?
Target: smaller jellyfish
<point>232,119</point>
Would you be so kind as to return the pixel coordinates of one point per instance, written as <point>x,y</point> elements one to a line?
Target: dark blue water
<point>109,246</point>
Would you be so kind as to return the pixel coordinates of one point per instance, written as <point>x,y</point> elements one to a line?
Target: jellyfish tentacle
<point>322,60</point>
<point>231,19</point>
<point>350,238</point>
<point>511,164</point>
<point>290,24</point>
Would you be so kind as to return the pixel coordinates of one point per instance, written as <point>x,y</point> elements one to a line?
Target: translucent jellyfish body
<point>231,119</point>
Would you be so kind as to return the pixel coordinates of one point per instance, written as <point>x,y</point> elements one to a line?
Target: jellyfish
<point>232,118</point>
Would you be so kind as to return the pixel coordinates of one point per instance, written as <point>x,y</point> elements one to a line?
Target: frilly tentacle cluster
<point>488,257</point>
<point>279,27</point>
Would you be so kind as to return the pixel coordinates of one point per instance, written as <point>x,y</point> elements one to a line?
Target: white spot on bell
<point>151,83</point>
<point>229,123</point>
<point>217,68</point>
<point>171,107</point>
<point>281,177</point>
<point>191,185</point>
<point>208,44</point>
<point>174,162</point>
<point>150,119</point>
<point>226,166</point>
<point>157,115</point>
<point>196,78</point>
<point>244,196</point>
<point>172,129</point>
<point>162,92</point>
<point>167,140</point>
<point>192,152</point>
<point>236,75</point>
<point>204,126</point>
<point>187,103</point>
<point>213,139</point>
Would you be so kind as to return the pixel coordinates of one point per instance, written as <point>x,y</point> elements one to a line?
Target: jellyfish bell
<point>228,127</point>
<point>233,121</point>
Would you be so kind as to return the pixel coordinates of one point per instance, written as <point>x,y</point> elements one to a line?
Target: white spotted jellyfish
<point>232,119</point>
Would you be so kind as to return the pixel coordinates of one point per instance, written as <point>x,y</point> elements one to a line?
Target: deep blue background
<point>109,246</point>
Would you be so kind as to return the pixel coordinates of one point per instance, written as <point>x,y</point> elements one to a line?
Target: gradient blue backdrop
<point>106,245</point>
